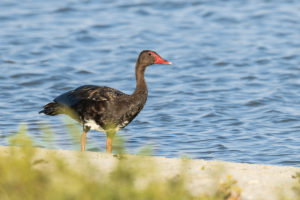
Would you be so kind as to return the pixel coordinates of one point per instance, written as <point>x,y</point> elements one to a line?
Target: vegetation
<point>24,175</point>
<point>296,187</point>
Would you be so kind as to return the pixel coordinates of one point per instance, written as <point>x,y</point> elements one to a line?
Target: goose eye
<point>149,54</point>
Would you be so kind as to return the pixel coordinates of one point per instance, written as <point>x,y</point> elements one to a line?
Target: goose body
<point>103,108</point>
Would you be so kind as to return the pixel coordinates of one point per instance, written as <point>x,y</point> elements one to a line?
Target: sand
<point>255,180</point>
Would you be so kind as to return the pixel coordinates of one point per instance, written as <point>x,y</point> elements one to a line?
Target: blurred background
<point>232,93</point>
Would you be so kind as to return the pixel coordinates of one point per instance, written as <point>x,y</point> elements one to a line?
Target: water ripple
<point>231,94</point>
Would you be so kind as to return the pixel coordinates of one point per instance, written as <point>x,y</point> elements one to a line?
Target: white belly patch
<point>93,125</point>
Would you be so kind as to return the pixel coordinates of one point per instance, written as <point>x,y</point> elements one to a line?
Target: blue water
<point>232,93</point>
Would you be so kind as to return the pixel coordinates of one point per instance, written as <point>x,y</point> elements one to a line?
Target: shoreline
<point>257,181</point>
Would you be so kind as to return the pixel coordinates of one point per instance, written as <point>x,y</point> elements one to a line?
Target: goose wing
<point>89,93</point>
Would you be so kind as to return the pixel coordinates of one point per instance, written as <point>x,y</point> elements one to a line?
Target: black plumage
<point>103,108</point>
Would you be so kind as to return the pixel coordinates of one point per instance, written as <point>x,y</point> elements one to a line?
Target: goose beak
<point>160,60</point>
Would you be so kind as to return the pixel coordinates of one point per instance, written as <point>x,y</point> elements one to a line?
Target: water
<point>232,93</point>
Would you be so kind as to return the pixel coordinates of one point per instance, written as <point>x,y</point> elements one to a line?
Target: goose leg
<point>109,138</point>
<point>83,140</point>
<point>108,144</point>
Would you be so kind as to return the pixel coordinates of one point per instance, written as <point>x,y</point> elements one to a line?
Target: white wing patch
<point>123,124</point>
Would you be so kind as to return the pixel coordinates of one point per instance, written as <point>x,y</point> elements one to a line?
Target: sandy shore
<point>256,181</point>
